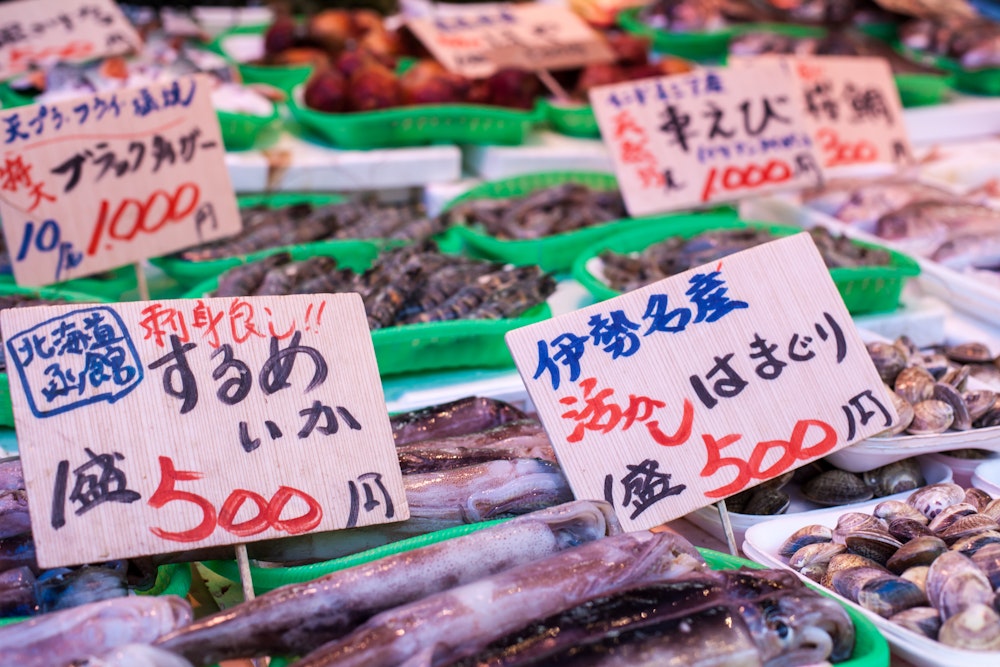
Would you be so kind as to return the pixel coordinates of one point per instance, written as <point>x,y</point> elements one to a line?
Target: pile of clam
<point>930,564</point>
<point>928,386</point>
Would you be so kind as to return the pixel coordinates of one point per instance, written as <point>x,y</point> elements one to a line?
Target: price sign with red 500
<point>98,182</point>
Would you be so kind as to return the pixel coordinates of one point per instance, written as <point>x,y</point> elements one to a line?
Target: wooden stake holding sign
<point>852,107</point>
<point>36,31</point>
<point>98,182</point>
<point>709,136</point>
<point>694,388</point>
<point>477,41</point>
<point>151,427</point>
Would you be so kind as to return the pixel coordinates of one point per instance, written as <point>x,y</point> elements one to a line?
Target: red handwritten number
<point>749,470</point>
<point>166,493</point>
<point>133,216</point>
<point>839,153</point>
<point>748,177</point>
<point>268,511</point>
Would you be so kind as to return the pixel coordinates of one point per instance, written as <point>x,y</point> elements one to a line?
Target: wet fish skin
<point>460,417</point>
<point>17,592</point>
<point>298,618</point>
<point>76,634</point>
<point>14,517</point>
<point>520,439</point>
<point>18,551</point>
<point>457,622</point>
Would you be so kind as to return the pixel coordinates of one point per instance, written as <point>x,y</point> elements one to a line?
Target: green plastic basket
<point>870,648</point>
<point>170,580</point>
<point>352,254</point>
<point>418,125</point>
<point>111,285</point>
<point>552,253</point>
<point>918,90</point>
<point>6,408</point>
<point>866,289</point>
<point>574,119</point>
<point>412,348</point>
<point>691,45</point>
<point>980,82</point>
<point>282,77</point>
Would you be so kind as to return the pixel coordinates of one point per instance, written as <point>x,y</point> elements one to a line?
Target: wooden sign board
<point>694,388</point>
<point>98,182</point>
<point>159,426</point>
<point>852,107</point>
<point>37,32</point>
<point>709,136</point>
<point>477,41</point>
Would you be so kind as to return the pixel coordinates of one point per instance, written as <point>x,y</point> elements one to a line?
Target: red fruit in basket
<point>372,86</point>
<point>382,44</point>
<point>427,82</point>
<point>514,88</point>
<point>282,34</point>
<point>326,90</point>
<point>365,21</point>
<point>479,92</point>
<point>629,49</point>
<point>598,75</point>
<point>300,56</point>
<point>671,65</point>
<point>331,28</point>
<point>349,61</point>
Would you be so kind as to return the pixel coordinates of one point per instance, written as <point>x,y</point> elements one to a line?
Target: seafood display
<point>929,563</point>
<point>823,485</point>
<point>461,417</point>
<point>625,272</point>
<point>975,44</point>
<point>554,210</point>
<point>266,227</point>
<point>408,285</point>
<point>929,386</point>
<point>299,618</point>
<point>683,15</point>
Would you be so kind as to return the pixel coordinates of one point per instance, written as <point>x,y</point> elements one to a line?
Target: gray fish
<point>76,634</point>
<point>458,621</point>
<point>966,251</point>
<point>521,439</point>
<point>461,417</point>
<point>298,618</point>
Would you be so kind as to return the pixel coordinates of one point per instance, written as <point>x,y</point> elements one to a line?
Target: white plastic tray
<point>762,544</point>
<point>987,477</point>
<point>707,518</point>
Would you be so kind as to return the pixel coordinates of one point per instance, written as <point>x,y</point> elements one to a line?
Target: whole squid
<point>298,618</point>
<point>461,417</point>
<point>466,619</point>
<point>519,439</point>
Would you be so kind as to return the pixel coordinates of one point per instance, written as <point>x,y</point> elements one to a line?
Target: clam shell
<point>889,360</point>
<point>992,509</point>
<point>977,628</point>
<point>878,546</point>
<point>888,595</point>
<point>917,575</point>
<point>934,362</point>
<point>979,402</point>
<point>930,500</point>
<point>973,543</point>
<point>916,552</point>
<point>889,510</point>
<point>931,416</point>
<point>811,534</point>
<point>922,620</point>
<point>836,487</point>
<point>819,553</point>
<point>966,526</point>
<point>894,478</point>
<point>950,515</point>
<point>961,419</point>
<point>954,583</point>
<point>767,502</point>
<point>906,529</point>
<point>956,377</point>
<point>849,582</point>
<point>969,353</point>
<point>848,561</point>
<point>987,559</point>
<point>914,384</point>
<point>904,410</point>
<point>906,346</point>
<point>850,522</point>
<point>990,418</point>
<point>978,498</point>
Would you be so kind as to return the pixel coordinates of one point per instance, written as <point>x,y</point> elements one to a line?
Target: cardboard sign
<point>477,41</point>
<point>159,426</point>
<point>709,136</point>
<point>97,182</point>
<point>36,32</point>
<point>694,388</point>
<point>852,106</point>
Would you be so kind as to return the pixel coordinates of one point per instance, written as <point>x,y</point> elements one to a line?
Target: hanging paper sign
<point>159,426</point>
<point>694,388</point>
<point>477,41</point>
<point>852,107</point>
<point>38,32</point>
<point>709,136</point>
<point>98,182</point>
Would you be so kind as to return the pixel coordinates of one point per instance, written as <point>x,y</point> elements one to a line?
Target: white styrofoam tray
<point>764,540</point>
<point>987,477</point>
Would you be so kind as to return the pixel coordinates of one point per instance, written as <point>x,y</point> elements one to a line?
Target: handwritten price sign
<point>710,136</point>
<point>37,31</point>
<point>477,41</point>
<point>152,427</point>
<point>696,387</point>
<point>98,182</point>
<point>852,107</point>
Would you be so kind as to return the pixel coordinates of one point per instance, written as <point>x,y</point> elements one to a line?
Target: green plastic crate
<point>418,125</point>
<point>282,77</point>
<point>866,289</point>
<point>691,45</point>
<point>353,254</point>
<point>6,409</point>
<point>574,119</point>
<point>980,82</point>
